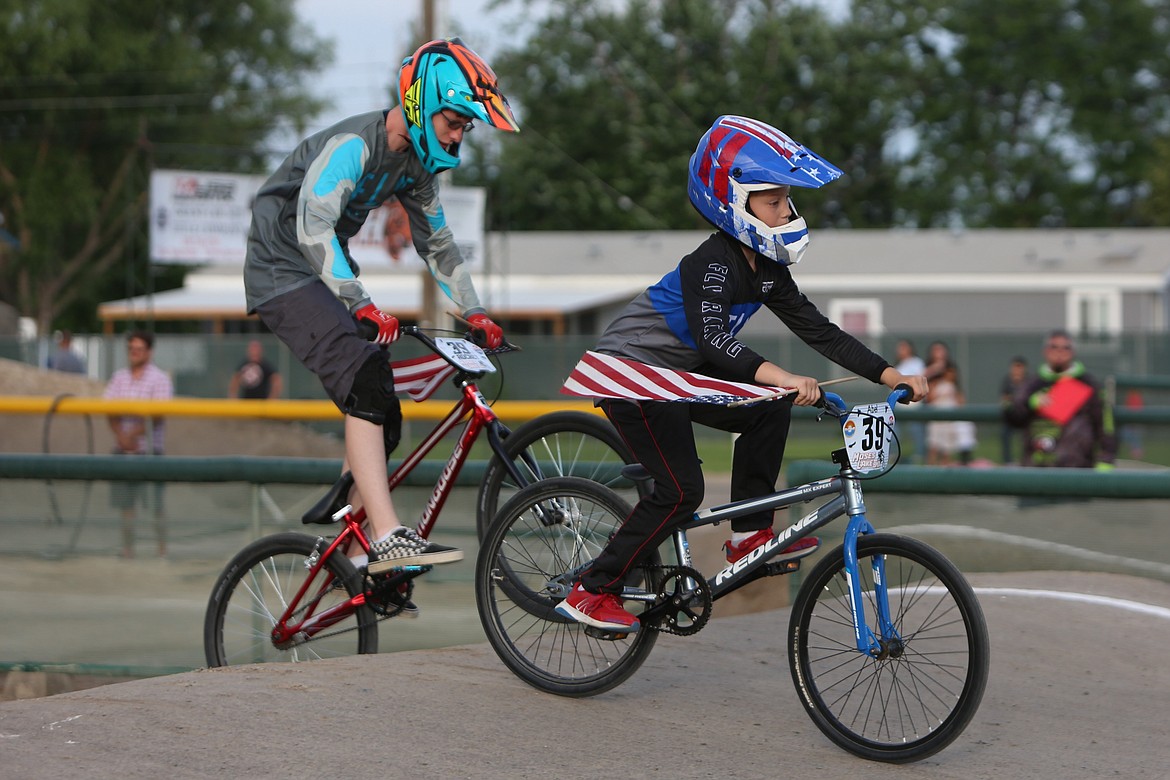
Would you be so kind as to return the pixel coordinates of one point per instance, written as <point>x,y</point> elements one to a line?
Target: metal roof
<point>533,274</point>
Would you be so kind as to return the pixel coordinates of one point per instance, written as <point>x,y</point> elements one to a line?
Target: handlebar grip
<point>366,329</point>
<point>904,392</point>
<point>832,402</point>
<point>476,337</point>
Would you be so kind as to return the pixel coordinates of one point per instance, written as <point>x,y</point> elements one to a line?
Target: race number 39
<point>868,431</point>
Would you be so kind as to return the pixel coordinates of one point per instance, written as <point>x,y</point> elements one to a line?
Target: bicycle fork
<point>889,643</point>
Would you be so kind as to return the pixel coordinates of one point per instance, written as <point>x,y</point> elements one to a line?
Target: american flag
<point>605,376</point>
<point>420,377</point>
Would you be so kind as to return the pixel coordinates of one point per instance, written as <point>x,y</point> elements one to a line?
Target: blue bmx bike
<point>887,643</point>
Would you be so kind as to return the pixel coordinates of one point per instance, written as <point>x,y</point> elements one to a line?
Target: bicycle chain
<point>675,616</point>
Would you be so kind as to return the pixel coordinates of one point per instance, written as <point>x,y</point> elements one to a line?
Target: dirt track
<point>1077,690</point>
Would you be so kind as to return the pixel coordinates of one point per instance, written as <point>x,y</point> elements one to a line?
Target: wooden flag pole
<point>790,391</point>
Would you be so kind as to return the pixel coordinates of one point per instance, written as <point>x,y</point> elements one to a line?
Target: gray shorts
<point>318,328</point>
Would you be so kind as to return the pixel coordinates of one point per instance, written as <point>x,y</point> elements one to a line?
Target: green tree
<point>1047,114</point>
<point>614,97</point>
<point>1157,206</point>
<point>94,95</point>
<point>1031,113</point>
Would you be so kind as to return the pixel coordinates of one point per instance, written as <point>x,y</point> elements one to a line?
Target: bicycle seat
<point>338,496</point>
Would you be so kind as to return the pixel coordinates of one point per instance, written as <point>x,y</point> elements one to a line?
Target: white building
<point>1092,282</point>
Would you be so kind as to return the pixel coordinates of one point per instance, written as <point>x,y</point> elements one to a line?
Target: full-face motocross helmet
<point>447,74</point>
<point>738,156</point>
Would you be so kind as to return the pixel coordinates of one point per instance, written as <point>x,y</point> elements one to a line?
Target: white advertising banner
<point>198,217</point>
<point>384,243</point>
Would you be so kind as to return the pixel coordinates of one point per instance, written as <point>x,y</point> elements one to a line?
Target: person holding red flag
<point>1069,423</point>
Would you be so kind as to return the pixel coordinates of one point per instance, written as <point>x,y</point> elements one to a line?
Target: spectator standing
<point>911,365</point>
<point>938,358</point>
<point>1013,381</point>
<point>64,358</point>
<point>945,438</point>
<point>1069,423</point>
<point>135,435</point>
<point>256,378</point>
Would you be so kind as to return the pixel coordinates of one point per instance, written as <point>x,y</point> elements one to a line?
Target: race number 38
<point>868,431</point>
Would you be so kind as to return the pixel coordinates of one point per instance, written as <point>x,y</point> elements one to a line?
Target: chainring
<point>684,602</point>
<point>388,595</point>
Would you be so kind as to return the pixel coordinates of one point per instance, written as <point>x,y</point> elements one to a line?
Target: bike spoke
<point>913,698</point>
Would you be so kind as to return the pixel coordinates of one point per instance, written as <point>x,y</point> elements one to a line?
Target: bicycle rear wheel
<point>919,698</point>
<point>259,584</point>
<point>560,444</point>
<point>545,531</point>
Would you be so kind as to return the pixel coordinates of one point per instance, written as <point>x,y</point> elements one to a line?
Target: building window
<point>1094,312</point>
<point>860,317</point>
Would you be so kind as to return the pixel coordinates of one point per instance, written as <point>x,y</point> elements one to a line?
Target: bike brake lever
<point>476,337</point>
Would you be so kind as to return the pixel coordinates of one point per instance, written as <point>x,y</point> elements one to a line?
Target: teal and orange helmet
<point>446,74</point>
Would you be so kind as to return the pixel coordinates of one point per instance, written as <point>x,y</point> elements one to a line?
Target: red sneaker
<point>600,610</point>
<point>798,549</point>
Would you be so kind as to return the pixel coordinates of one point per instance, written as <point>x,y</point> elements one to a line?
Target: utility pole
<point>429,291</point>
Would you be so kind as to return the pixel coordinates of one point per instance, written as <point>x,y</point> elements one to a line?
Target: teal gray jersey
<point>307,211</point>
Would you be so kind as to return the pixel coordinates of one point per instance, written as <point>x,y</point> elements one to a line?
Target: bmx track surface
<point>1079,688</point>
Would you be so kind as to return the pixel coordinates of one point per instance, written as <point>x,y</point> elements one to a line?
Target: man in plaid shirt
<point>141,379</point>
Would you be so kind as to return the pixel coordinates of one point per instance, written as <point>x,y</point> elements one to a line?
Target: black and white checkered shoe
<point>404,547</point>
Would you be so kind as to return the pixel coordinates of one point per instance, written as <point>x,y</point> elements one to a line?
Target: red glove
<point>386,324</point>
<point>493,334</point>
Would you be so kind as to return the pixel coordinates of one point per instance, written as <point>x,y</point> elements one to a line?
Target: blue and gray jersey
<point>690,319</point>
<point>319,198</point>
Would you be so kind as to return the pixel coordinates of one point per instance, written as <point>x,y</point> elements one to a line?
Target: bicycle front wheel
<point>259,585</point>
<point>542,536</point>
<point>559,444</point>
<point>920,695</point>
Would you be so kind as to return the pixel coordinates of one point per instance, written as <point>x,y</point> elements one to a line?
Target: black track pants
<point>661,437</point>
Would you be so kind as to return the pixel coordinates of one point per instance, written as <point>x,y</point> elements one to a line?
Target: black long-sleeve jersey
<point>689,319</point>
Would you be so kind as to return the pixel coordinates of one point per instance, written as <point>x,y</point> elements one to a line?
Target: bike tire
<point>516,598</point>
<point>902,708</point>
<point>256,587</point>
<point>563,444</point>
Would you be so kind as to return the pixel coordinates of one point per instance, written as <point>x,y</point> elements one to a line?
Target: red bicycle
<point>295,596</point>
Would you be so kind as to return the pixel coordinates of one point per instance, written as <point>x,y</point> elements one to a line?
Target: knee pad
<point>371,397</point>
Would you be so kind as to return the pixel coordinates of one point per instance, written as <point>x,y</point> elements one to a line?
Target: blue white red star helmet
<point>738,156</point>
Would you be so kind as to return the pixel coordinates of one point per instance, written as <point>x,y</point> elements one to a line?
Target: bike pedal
<point>781,567</point>
<point>601,633</point>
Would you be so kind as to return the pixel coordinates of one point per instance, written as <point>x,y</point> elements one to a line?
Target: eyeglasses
<point>457,121</point>
<point>1059,346</point>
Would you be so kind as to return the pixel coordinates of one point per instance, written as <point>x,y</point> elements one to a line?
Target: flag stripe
<point>605,376</point>
<point>764,133</point>
<point>421,377</point>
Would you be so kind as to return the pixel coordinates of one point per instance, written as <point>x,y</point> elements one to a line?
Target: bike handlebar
<point>835,404</point>
<point>369,331</point>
